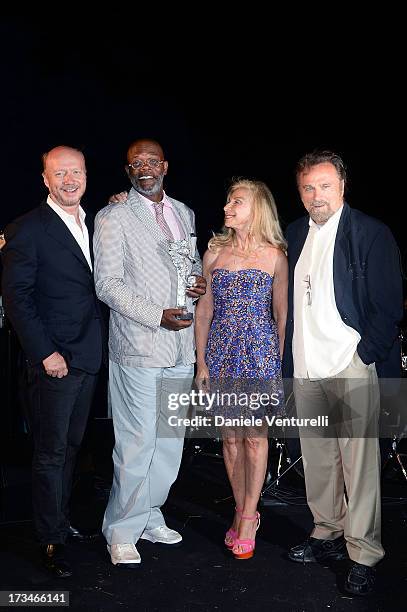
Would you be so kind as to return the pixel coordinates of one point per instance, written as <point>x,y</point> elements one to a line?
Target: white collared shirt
<point>323,345</point>
<point>169,215</point>
<point>80,234</point>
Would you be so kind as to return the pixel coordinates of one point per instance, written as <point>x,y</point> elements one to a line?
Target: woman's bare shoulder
<point>210,257</point>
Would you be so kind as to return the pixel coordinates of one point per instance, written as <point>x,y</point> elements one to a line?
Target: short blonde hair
<point>265,226</point>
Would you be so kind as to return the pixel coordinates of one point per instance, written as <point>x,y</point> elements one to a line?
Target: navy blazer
<point>48,291</point>
<point>367,284</point>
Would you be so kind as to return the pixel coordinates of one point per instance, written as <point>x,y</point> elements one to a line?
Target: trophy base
<point>185,316</point>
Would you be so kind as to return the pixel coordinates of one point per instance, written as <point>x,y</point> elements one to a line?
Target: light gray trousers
<point>147,452</point>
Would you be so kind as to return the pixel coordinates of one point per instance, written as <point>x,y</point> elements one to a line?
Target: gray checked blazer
<point>135,277</point>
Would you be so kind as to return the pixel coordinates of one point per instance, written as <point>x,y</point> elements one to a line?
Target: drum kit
<point>285,450</point>
<point>288,451</point>
<point>393,449</point>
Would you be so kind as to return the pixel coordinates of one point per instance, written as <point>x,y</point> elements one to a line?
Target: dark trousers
<point>59,410</point>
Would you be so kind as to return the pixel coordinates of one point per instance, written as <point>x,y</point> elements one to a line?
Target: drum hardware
<point>203,448</point>
<point>283,454</point>
<point>396,457</point>
<point>2,314</point>
<point>7,373</point>
<point>289,455</point>
<point>273,481</point>
<point>194,447</point>
<point>201,440</point>
<point>403,350</point>
<point>289,450</point>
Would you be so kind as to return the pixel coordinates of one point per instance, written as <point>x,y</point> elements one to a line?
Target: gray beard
<point>320,217</point>
<point>156,187</point>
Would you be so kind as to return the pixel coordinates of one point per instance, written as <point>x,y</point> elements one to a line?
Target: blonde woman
<point>239,330</point>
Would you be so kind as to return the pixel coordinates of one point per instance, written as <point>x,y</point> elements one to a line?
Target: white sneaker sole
<point>124,561</point>
<point>128,563</point>
<point>149,538</point>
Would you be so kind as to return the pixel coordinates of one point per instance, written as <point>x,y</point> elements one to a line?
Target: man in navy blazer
<point>344,309</point>
<point>50,300</point>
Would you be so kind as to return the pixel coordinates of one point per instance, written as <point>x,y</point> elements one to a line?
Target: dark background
<point>225,100</point>
<point>243,97</point>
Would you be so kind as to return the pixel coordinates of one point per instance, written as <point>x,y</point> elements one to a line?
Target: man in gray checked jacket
<point>150,350</point>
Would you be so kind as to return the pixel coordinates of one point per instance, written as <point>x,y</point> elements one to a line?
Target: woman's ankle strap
<point>255,517</point>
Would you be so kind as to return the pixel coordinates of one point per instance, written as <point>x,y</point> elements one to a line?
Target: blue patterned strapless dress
<point>243,354</point>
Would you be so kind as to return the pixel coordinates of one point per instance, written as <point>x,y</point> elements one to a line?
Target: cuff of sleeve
<point>156,316</point>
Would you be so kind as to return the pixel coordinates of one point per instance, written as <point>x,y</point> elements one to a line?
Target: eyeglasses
<point>308,293</point>
<point>151,163</point>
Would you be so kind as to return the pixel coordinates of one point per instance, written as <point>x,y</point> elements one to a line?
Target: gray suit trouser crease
<point>147,452</point>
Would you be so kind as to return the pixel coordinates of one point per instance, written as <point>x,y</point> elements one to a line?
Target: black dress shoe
<point>53,558</point>
<point>361,579</point>
<point>315,551</point>
<point>81,536</point>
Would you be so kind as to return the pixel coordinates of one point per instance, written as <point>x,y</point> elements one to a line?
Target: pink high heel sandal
<point>244,548</point>
<point>231,534</point>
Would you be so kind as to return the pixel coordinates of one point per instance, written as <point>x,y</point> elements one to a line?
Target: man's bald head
<point>60,150</point>
<point>65,176</point>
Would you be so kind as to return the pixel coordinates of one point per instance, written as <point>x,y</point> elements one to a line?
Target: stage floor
<point>201,574</point>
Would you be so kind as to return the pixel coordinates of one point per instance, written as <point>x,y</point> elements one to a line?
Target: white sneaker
<point>124,554</point>
<point>162,535</point>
